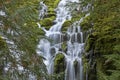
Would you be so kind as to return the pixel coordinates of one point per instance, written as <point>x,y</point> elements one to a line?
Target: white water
<point>48,49</point>
<point>75,47</point>
<point>43,10</point>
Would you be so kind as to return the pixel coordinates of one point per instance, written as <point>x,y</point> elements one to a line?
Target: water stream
<point>75,43</point>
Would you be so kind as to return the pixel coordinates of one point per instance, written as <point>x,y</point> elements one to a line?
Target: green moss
<point>86,24</point>
<point>51,10</point>
<point>89,42</point>
<point>51,14</point>
<point>51,3</point>
<point>64,46</point>
<point>85,65</point>
<point>59,63</point>
<point>66,24</point>
<point>46,22</point>
<point>51,6</point>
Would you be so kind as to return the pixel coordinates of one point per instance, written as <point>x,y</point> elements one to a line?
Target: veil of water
<point>73,55</point>
<point>74,68</point>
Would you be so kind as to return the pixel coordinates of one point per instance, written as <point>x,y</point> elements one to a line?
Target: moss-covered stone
<point>51,3</point>
<point>59,63</point>
<point>66,24</point>
<point>48,19</point>
<point>46,22</point>
<point>64,46</point>
<point>51,14</point>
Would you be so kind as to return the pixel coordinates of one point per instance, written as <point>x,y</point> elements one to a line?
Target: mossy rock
<point>51,10</point>
<point>51,14</point>
<point>64,46</point>
<point>59,63</point>
<point>46,22</point>
<point>51,3</point>
<point>66,24</point>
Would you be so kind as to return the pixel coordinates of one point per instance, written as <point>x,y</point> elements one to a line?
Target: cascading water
<point>74,53</point>
<point>75,44</point>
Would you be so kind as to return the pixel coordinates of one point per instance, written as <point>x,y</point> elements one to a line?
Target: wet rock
<point>59,63</point>
<point>52,51</point>
<point>54,22</point>
<point>79,37</point>
<point>65,37</point>
<point>66,24</point>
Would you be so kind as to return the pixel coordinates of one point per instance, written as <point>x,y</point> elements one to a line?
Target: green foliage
<point>105,39</point>
<point>117,48</point>
<point>110,68</point>
<point>86,25</point>
<point>21,18</point>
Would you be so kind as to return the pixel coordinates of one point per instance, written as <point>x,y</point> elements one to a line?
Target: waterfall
<point>75,44</point>
<point>43,10</point>
<point>75,47</point>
